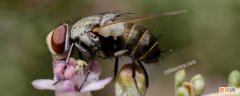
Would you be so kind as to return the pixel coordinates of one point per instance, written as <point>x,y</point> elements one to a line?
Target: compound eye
<point>58,39</point>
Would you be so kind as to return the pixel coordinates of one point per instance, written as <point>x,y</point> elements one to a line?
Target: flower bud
<point>59,69</point>
<point>234,79</point>
<point>179,78</point>
<point>125,85</point>
<point>69,72</point>
<point>182,91</point>
<point>198,84</point>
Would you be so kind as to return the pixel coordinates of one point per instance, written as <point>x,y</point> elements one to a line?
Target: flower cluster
<point>184,88</point>
<point>76,78</point>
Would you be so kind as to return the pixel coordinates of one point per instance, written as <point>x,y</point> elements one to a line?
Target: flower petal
<point>44,84</point>
<point>72,62</point>
<point>65,86</point>
<point>69,72</point>
<point>59,69</point>
<point>96,85</point>
<point>95,69</point>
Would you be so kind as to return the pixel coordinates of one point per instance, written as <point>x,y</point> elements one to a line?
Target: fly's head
<point>58,42</point>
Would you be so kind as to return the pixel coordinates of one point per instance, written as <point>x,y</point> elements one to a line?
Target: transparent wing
<point>141,18</point>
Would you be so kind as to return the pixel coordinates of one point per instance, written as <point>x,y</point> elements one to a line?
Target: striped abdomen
<point>139,40</point>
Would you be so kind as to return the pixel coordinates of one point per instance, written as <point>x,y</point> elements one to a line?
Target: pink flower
<point>77,78</point>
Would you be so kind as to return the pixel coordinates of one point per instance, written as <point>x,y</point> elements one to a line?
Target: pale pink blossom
<point>73,79</point>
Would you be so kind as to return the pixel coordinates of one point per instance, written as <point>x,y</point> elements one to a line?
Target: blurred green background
<point>208,33</point>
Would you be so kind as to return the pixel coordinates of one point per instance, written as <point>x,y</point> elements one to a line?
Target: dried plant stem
<point>189,86</point>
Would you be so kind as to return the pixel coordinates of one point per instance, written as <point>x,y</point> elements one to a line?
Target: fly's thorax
<point>82,30</point>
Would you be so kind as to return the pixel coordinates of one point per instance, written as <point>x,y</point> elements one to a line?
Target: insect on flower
<point>107,35</point>
<point>77,81</point>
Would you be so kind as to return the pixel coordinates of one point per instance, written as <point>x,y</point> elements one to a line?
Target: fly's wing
<point>141,18</point>
<point>116,27</point>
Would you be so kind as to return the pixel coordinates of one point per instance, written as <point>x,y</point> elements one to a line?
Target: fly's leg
<point>115,68</point>
<point>85,79</point>
<point>87,54</point>
<point>99,55</point>
<point>134,65</point>
<point>69,53</point>
<point>145,72</point>
<point>117,55</point>
<point>82,50</point>
<point>120,53</point>
<point>67,61</point>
